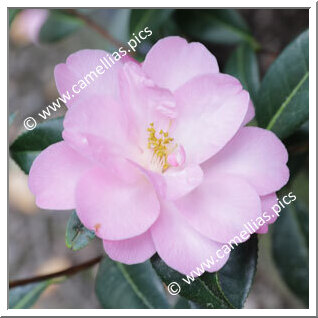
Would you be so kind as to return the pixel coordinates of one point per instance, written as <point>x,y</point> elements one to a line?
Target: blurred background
<point>39,40</point>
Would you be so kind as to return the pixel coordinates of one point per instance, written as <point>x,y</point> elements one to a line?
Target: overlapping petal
<point>211,109</point>
<point>144,102</point>
<point>256,155</point>
<point>80,70</point>
<point>182,180</point>
<point>131,251</point>
<point>173,61</point>
<point>96,124</point>
<point>117,202</point>
<point>54,175</point>
<point>268,201</point>
<point>220,206</point>
<point>180,245</point>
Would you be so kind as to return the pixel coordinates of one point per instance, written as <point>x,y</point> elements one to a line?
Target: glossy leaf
<point>227,288</point>
<point>23,297</point>
<point>182,303</point>
<point>151,18</point>
<point>59,25</point>
<point>236,277</point>
<point>290,248</point>
<point>243,65</point>
<point>298,152</point>
<point>77,235</point>
<point>282,103</point>
<point>197,291</point>
<point>29,145</point>
<point>221,26</point>
<point>129,286</point>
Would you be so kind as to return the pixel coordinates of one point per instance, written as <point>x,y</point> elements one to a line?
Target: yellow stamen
<point>159,145</point>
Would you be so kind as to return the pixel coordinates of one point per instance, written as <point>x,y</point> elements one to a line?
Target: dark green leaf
<point>151,18</point>
<point>129,286</point>
<point>290,248</point>
<point>197,291</point>
<point>282,100</point>
<point>236,277</point>
<point>29,145</point>
<point>77,235</point>
<point>300,186</point>
<point>298,148</point>
<point>12,14</point>
<point>182,303</point>
<point>222,26</point>
<point>243,65</point>
<point>227,288</point>
<point>59,25</point>
<point>23,297</point>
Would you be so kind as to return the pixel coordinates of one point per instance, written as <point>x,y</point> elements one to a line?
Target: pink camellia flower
<point>27,25</point>
<point>156,158</point>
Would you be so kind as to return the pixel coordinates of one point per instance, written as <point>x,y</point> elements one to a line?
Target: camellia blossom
<point>27,25</point>
<point>155,156</point>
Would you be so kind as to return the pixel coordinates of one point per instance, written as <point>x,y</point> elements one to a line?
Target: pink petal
<point>263,229</point>
<point>220,207</point>
<point>118,202</point>
<point>256,155</point>
<point>267,202</point>
<point>180,245</point>
<point>174,182</point>
<point>211,109</point>
<point>182,180</point>
<point>250,114</point>
<point>54,175</point>
<point>29,22</point>
<point>98,122</point>
<point>172,61</point>
<point>144,102</point>
<point>100,81</point>
<point>135,250</point>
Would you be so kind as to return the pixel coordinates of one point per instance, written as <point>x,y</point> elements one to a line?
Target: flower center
<point>161,146</point>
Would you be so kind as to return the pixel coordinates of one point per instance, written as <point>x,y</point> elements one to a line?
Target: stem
<point>66,272</point>
<point>92,24</point>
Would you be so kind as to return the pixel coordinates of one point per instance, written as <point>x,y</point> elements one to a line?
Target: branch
<point>66,272</point>
<point>92,24</point>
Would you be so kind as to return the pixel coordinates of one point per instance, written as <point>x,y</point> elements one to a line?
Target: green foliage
<point>298,146</point>
<point>59,25</point>
<point>290,248</point>
<point>129,286</point>
<point>282,104</point>
<point>151,18</point>
<point>29,145</point>
<point>77,236</point>
<point>243,65</point>
<point>182,303</point>
<point>227,288</point>
<point>23,297</point>
<point>221,26</point>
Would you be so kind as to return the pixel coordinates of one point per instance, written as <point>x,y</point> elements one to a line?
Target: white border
<point>312,163</point>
